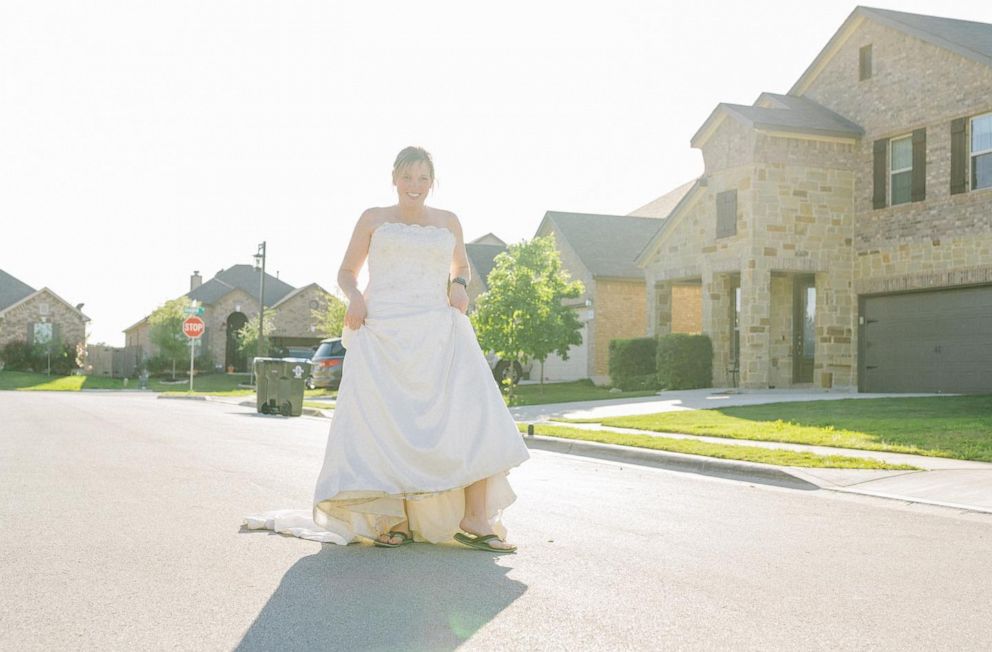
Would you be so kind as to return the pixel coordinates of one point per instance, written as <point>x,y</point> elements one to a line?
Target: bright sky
<point>140,141</point>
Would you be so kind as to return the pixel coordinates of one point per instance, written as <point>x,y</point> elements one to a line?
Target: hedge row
<point>676,361</point>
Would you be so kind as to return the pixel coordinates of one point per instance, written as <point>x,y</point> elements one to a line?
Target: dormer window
<point>864,63</point>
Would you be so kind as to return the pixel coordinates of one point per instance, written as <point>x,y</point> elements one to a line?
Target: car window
<point>328,349</point>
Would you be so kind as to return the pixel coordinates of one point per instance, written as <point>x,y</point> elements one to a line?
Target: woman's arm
<point>458,295</point>
<point>354,258</point>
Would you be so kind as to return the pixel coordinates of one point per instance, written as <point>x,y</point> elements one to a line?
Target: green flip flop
<point>406,538</point>
<point>482,542</point>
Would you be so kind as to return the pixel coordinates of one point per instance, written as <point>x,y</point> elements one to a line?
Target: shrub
<point>685,361</point>
<point>21,356</point>
<point>632,364</point>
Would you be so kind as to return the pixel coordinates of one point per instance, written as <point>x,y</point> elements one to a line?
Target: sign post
<point>193,328</point>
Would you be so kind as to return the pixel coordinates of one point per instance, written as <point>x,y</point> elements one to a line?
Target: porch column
<point>662,317</point>
<point>717,312</point>
<point>756,300</point>
<point>649,295</point>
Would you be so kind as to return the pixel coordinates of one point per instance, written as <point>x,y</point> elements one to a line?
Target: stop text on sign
<point>193,327</point>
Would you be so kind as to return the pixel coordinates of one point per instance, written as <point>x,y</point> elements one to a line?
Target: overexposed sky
<point>140,141</point>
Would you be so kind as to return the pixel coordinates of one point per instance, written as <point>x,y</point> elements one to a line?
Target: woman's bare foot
<point>480,527</point>
<point>393,537</point>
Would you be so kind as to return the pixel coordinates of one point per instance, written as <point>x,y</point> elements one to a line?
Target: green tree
<point>330,319</point>
<point>248,338</point>
<point>166,331</point>
<point>521,317</point>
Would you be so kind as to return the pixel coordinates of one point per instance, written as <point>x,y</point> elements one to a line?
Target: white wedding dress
<point>418,416</point>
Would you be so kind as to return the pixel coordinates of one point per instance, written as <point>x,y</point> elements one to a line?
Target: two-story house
<point>842,233</point>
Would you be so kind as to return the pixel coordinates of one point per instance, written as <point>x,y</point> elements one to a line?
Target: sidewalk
<point>957,484</point>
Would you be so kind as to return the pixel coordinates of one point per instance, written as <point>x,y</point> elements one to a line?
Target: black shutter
<point>919,189</point>
<point>880,171</point>
<point>959,156</point>
<point>30,339</point>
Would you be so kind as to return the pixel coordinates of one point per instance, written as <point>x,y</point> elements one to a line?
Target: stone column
<point>662,316</point>
<point>650,297</point>
<point>756,299</point>
<point>717,305</point>
<point>836,331</point>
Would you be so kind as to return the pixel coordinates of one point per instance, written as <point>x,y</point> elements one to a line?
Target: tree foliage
<point>248,337</point>
<point>166,329</point>
<point>522,317</point>
<point>330,319</point>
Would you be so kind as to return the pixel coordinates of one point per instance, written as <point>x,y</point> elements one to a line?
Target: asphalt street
<point>120,521</point>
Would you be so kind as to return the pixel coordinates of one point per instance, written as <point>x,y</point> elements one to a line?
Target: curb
<point>729,469</point>
<point>183,398</point>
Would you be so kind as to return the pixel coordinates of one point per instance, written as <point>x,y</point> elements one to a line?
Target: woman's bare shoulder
<point>373,217</point>
<point>447,218</point>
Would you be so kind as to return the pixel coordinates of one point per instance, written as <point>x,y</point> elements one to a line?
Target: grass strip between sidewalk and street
<point>958,427</point>
<point>579,390</point>
<point>758,454</point>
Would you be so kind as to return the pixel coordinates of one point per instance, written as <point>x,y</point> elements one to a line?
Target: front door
<point>803,329</point>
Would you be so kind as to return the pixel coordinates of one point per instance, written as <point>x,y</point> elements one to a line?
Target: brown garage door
<point>927,342</point>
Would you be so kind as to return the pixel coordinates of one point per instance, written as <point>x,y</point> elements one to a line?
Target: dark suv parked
<point>327,361</point>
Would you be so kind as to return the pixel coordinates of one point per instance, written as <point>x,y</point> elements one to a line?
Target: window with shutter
<point>864,63</point>
<point>726,213</point>
<point>981,151</point>
<point>900,170</point>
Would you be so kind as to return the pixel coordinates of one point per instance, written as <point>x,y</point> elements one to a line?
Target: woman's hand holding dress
<point>354,317</point>
<point>458,297</point>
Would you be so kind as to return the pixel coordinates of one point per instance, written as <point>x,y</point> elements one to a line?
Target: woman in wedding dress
<point>420,442</point>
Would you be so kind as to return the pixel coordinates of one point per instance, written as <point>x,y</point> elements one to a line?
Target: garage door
<point>927,342</point>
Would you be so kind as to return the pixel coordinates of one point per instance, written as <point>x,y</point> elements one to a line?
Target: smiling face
<point>413,181</point>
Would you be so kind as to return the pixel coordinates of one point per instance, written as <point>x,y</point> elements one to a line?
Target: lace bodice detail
<point>409,263</point>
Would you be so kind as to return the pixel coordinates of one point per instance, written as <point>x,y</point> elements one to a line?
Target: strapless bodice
<point>409,265</point>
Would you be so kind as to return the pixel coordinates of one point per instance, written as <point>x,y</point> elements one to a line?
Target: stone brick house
<point>230,299</point>
<point>29,315</point>
<point>599,250</point>
<point>842,234</point>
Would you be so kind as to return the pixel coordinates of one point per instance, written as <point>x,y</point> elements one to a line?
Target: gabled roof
<point>489,238</point>
<point>293,293</point>
<point>774,112</point>
<point>663,205</point>
<point>75,309</point>
<point>12,290</point>
<point>244,277</point>
<point>969,39</point>
<point>606,244</point>
<point>483,258</point>
<point>645,252</point>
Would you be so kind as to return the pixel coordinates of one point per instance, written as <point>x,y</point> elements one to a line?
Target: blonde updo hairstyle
<point>409,156</point>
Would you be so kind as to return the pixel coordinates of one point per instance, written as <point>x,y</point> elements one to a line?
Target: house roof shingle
<point>12,290</point>
<point>606,244</point>
<point>244,277</point>
<point>663,205</point>
<point>483,258</point>
<point>782,113</point>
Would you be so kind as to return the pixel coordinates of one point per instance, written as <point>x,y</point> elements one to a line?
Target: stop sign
<point>193,327</point>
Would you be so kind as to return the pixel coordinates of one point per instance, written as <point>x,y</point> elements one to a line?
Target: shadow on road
<point>359,597</point>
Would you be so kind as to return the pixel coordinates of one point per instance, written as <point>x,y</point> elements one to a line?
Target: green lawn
<point>941,426</point>
<point>722,451</point>
<point>580,390</point>
<point>207,384</point>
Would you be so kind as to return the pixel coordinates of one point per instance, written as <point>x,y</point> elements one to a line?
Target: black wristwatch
<point>459,280</point>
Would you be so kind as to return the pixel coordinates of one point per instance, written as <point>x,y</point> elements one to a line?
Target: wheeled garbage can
<point>279,385</point>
